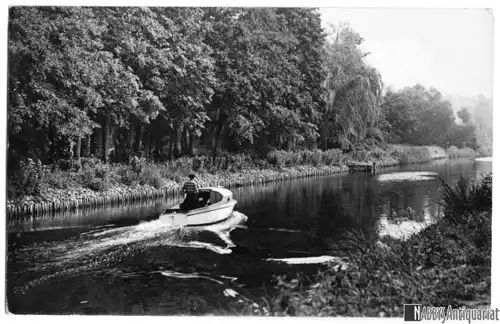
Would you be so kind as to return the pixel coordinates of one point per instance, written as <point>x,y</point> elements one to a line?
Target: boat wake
<point>100,248</point>
<point>156,233</point>
<point>286,230</point>
<point>202,245</point>
<point>311,260</point>
<point>195,275</point>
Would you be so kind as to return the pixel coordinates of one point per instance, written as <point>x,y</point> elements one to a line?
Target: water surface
<point>121,260</point>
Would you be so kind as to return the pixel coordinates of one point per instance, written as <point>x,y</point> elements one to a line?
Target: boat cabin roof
<point>209,196</point>
<point>224,192</point>
<point>216,194</point>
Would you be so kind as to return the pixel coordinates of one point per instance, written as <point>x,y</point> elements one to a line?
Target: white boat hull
<point>199,218</point>
<point>220,209</point>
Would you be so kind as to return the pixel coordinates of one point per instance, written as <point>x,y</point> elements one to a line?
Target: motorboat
<point>215,204</point>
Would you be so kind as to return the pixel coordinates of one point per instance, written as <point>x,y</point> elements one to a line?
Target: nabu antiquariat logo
<point>417,312</point>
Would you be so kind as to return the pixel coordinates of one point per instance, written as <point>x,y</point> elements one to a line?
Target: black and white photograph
<point>249,161</point>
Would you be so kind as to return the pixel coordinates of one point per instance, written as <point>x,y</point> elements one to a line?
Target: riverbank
<point>447,263</point>
<point>39,189</point>
<point>59,199</point>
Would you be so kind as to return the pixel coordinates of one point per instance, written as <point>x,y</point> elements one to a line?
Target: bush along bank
<point>447,263</point>
<point>407,154</point>
<point>37,188</point>
<point>455,153</point>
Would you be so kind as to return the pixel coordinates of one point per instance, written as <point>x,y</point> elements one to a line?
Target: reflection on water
<point>121,260</point>
<point>122,215</point>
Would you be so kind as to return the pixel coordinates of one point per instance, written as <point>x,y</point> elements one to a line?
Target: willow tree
<point>352,91</point>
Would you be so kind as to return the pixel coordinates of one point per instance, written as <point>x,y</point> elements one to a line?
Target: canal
<point>121,260</point>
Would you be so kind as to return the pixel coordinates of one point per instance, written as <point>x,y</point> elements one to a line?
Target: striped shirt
<point>190,187</point>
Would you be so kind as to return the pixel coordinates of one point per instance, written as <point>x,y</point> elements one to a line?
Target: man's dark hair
<point>192,176</point>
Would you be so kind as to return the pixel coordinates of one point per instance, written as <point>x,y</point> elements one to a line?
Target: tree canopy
<point>165,82</point>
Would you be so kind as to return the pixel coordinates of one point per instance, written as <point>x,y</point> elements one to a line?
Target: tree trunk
<point>71,152</point>
<point>89,145</point>
<point>263,145</point>
<point>106,139</point>
<point>185,145</point>
<point>323,139</point>
<point>78,149</point>
<point>218,131</point>
<point>139,137</point>
<point>120,153</point>
<point>218,138</point>
<point>190,143</point>
<point>131,139</point>
<point>52,140</point>
<point>98,143</point>
<point>159,144</point>
<point>178,144</point>
<point>182,142</point>
<point>175,149</point>
<point>149,142</point>
<point>170,149</point>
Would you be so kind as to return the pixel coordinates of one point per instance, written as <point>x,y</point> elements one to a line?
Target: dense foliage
<point>168,82</point>
<point>422,116</point>
<point>117,81</point>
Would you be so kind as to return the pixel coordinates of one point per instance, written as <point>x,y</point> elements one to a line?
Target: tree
<point>265,90</point>
<point>435,119</point>
<point>173,65</point>
<point>464,115</point>
<point>421,116</point>
<point>400,115</point>
<point>45,94</point>
<point>352,91</point>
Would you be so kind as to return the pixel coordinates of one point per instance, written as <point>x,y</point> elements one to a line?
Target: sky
<point>449,49</point>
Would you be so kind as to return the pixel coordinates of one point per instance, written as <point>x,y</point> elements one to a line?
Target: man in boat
<point>190,188</point>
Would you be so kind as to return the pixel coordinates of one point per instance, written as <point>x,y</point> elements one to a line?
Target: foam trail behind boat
<point>79,254</point>
<point>202,245</point>
<point>223,229</point>
<point>180,275</point>
<point>287,230</point>
<point>235,220</point>
<point>310,260</point>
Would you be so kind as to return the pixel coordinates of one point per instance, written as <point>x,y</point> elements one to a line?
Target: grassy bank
<point>95,183</point>
<point>70,185</point>
<point>447,263</point>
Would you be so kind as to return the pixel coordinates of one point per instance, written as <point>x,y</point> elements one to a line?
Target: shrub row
<point>316,157</point>
<point>455,153</point>
<point>416,154</point>
<point>32,178</point>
